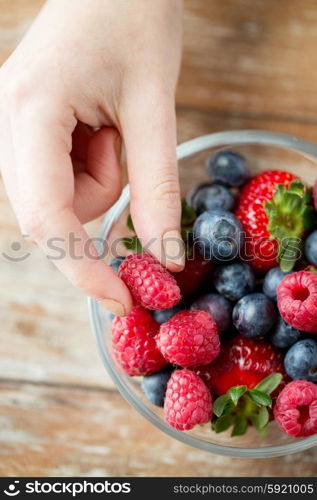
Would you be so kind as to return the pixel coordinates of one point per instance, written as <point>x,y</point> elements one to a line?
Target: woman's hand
<point>87,65</point>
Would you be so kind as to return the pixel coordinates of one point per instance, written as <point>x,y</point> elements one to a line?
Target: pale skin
<point>88,76</point>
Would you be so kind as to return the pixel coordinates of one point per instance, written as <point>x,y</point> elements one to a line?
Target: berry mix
<point>232,339</point>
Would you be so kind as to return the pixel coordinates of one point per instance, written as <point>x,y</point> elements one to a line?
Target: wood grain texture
<point>54,431</point>
<point>250,56</point>
<point>45,333</point>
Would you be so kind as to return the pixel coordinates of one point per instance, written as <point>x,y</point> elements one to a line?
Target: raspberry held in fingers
<point>150,284</point>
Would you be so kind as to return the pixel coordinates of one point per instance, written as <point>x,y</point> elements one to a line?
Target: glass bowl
<point>263,150</point>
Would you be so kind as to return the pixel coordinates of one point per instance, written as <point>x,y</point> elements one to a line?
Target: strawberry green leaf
<point>220,405</point>
<point>261,418</point>
<point>290,215</point>
<point>270,383</point>
<point>263,431</point>
<point>312,269</point>
<point>188,214</point>
<point>260,398</point>
<point>235,393</point>
<point>130,223</point>
<point>240,426</point>
<point>133,244</point>
<point>223,423</point>
<point>186,233</point>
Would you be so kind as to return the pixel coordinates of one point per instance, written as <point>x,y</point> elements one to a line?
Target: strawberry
<point>242,361</point>
<point>274,211</point>
<point>194,276</point>
<point>247,376</point>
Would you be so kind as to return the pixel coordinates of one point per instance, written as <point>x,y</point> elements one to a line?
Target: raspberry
<point>295,410</point>
<point>190,338</point>
<point>187,401</point>
<point>297,300</point>
<point>150,284</point>
<point>133,343</point>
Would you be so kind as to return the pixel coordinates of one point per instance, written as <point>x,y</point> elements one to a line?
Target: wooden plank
<point>45,333</point>
<point>250,56</point>
<point>58,432</point>
<point>194,122</point>
<point>254,56</point>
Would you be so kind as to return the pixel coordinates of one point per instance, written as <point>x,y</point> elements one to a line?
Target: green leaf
<point>261,418</point>
<point>290,215</point>
<point>223,423</point>
<point>240,426</point>
<point>260,398</point>
<point>296,186</point>
<point>270,383</point>
<point>235,393</point>
<point>130,223</point>
<point>188,214</point>
<point>262,432</point>
<point>186,233</point>
<point>220,404</point>
<point>133,244</point>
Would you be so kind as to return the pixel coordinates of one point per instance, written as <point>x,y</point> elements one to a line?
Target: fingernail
<point>118,145</point>
<point>173,250</point>
<point>113,306</point>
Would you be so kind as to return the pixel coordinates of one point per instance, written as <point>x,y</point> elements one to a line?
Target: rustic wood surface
<point>59,411</point>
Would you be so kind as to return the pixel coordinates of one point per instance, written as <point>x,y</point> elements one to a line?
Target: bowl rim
<point>185,150</point>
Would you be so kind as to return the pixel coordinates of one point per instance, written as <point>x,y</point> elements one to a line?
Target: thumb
<point>149,132</point>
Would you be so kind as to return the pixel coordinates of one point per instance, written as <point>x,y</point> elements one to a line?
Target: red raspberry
<point>187,401</point>
<point>295,410</point>
<point>297,300</point>
<point>150,284</point>
<point>190,338</point>
<point>133,343</point>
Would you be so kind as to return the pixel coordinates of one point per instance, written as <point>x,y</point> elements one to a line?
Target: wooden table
<point>247,64</point>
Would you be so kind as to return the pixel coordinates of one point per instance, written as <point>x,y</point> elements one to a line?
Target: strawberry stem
<point>290,215</point>
<point>240,407</point>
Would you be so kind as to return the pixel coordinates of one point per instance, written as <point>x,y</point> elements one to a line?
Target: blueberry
<point>115,263</point>
<point>284,335</point>
<point>234,280</point>
<point>218,235</point>
<point>166,314</point>
<point>218,307</point>
<point>210,196</point>
<point>311,248</point>
<point>254,315</point>
<point>272,280</point>
<point>228,167</point>
<point>301,360</point>
<point>154,386</point>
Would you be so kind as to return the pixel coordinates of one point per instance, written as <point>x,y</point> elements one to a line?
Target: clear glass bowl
<point>263,150</point>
